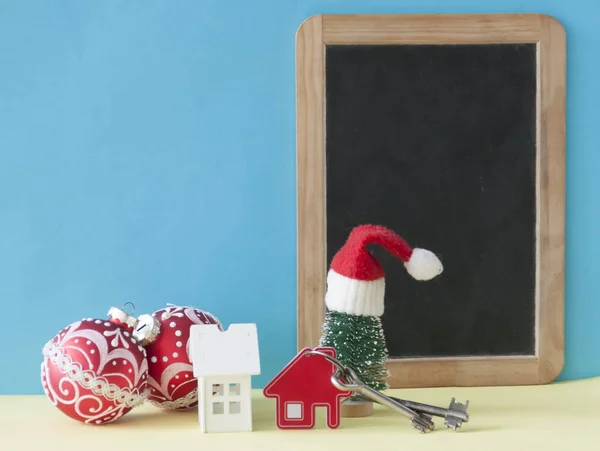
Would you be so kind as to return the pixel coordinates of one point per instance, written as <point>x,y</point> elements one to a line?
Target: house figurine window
<point>227,399</point>
<point>293,410</point>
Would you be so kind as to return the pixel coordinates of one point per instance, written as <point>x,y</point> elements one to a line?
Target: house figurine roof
<point>305,375</point>
<point>220,353</point>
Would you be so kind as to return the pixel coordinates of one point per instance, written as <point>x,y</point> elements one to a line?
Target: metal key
<point>354,384</point>
<point>453,416</point>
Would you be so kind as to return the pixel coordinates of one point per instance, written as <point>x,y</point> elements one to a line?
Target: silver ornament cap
<point>147,329</point>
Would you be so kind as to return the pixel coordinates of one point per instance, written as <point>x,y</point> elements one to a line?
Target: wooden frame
<point>318,31</point>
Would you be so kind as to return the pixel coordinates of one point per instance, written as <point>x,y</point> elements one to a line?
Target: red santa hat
<point>355,281</point>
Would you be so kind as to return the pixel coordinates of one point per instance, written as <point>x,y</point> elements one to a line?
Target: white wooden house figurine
<point>224,363</point>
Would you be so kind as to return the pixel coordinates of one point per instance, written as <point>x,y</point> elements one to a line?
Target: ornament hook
<point>132,306</point>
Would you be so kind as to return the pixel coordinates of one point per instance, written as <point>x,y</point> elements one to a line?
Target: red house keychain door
<point>302,386</point>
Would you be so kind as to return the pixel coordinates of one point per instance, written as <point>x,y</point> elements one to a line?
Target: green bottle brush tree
<point>360,344</point>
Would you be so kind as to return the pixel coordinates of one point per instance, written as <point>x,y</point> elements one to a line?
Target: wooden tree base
<point>356,409</point>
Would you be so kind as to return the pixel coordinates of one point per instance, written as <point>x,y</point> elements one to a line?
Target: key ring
<point>348,374</point>
<point>330,358</point>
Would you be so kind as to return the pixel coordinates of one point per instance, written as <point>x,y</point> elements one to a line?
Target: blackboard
<point>448,129</point>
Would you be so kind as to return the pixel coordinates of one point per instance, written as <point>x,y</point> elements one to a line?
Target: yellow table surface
<point>559,416</point>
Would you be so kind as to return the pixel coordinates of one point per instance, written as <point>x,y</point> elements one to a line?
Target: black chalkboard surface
<point>445,138</point>
<point>438,127</point>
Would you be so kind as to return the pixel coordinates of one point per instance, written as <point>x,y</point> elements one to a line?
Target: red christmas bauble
<point>94,370</point>
<point>171,381</point>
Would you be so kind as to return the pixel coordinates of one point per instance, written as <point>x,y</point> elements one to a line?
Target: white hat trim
<point>355,297</point>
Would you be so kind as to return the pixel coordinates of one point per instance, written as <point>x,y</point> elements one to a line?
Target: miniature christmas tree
<point>355,299</point>
<point>360,344</point>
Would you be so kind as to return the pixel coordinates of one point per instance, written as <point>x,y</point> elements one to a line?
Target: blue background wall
<point>147,154</point>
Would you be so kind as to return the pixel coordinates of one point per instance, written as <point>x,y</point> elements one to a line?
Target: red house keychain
<point>304,384</point>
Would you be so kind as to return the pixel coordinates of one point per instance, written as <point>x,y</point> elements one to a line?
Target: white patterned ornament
<point>95,371</point>
<point>165,335</point>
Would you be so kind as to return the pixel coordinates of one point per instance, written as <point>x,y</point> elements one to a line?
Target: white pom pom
<point>423,265</point>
